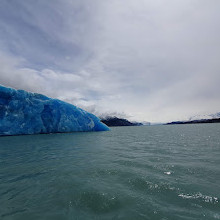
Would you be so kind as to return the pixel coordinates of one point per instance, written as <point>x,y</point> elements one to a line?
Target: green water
<point>151,172</point>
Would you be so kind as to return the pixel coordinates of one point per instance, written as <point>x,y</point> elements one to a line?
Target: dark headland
<point>114,121</point>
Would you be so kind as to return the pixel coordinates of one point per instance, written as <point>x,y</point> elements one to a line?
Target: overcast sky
<point>147,60</point>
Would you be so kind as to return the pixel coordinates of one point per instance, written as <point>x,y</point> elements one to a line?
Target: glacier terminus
<point>23,112</point>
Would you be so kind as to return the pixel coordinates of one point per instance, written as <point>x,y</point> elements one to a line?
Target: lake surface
<point>149,172</point>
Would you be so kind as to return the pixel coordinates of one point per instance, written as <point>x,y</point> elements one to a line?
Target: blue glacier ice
<point>23,112</point>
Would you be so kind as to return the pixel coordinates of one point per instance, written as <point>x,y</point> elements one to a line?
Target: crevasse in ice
<point>23,112</point>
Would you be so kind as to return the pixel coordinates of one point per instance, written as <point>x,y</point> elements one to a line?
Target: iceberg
<point>23,112</point>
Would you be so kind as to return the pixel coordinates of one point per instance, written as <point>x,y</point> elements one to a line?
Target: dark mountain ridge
<point>200,121</point>
<point>114,121</point>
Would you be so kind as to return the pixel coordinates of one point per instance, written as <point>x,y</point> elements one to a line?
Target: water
<point>155,172</point>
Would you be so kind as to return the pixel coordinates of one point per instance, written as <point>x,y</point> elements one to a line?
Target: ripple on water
<point>97,202</point>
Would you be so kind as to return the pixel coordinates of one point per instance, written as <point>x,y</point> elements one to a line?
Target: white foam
<point>199,195</point>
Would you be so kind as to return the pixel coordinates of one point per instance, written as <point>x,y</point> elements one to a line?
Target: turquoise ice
<point>23,112</point>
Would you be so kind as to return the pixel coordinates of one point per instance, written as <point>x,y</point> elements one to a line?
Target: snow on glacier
<point>23,112</point>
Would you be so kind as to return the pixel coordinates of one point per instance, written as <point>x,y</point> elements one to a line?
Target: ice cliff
<point>23,112</point>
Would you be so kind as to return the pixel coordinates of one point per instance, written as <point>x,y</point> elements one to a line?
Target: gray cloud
<point>149,60</point>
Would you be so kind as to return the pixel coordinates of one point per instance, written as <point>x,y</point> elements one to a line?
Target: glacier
<point>23,112</point>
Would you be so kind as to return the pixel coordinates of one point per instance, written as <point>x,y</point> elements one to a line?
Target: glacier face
<point>23,112</point>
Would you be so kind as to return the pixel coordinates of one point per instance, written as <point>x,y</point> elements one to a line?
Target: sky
<point>145,60</point>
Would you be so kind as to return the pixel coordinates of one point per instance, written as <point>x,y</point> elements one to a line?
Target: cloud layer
<point>151,60</point>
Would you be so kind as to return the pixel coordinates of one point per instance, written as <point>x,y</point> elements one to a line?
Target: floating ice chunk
<point>23,112</point>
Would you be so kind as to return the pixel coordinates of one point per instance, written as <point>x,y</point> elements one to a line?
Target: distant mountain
<point>205,116</point>
<point>212,120</point>
<point>145,123</point>
<point>114,121</point>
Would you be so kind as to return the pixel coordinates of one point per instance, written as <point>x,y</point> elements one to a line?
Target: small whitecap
<point>208,199</point>
<point>168,172</point>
